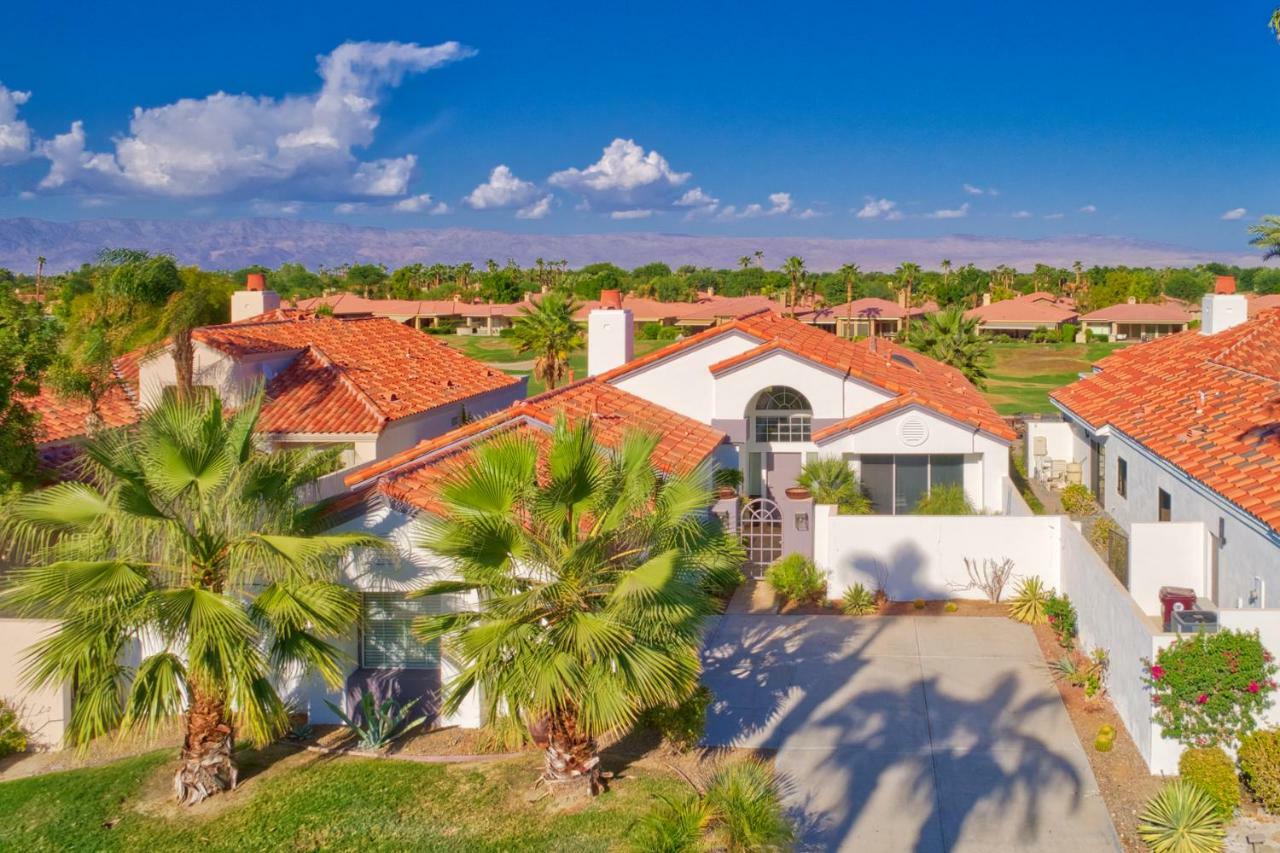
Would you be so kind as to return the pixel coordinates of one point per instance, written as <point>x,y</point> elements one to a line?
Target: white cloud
<point>276,208</point>
<point>26,195</point>
<point>417,204</point>
<point>951,213</point>
<point>537,210</point>
<point>1022,214</point>
<point>698,202</point>
<point>1089,208</point>
<point>348,207</point>
<point>626,178</point>
<point>226,145</point>
<point>440,209</point>
<point>503,190</point>
<point>631,214</point>
<point>876,208</point>
<point>1053,216</point>
<point>15,134</point>
<point>1235,213</point>
<point>809,213</point>
<point>779,204</point>
<point>972,190</point>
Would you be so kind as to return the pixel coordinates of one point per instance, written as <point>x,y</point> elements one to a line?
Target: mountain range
<point>237,243</point>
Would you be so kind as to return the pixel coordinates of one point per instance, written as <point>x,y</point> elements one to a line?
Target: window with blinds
<point>387,640</point>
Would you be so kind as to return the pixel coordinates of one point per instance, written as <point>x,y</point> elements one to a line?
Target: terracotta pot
<point>799,493</point>
<point>726,492</point>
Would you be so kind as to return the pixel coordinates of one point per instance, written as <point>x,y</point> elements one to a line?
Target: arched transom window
<point>782,414</point>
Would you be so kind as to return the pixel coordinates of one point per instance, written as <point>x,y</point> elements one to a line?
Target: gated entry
<point>761,531</point>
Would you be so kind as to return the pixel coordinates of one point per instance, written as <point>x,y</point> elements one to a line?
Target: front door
<point>781,471</point>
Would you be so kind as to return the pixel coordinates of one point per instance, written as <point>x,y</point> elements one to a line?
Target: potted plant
<point>798,493</point>
<point>727,481</point>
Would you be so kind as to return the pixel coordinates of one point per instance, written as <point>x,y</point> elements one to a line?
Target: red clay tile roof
<point>871,306</point>
<point>351,373</point>
<point>1208,404</point>
<point>62,418</point>
<point>1258,304</point>
<point>1139,312</point>
<point>1031,308</point>
<point>352,305</point>
<point>720,307</point>
<point>872,414</point>
<point>875,360</point>
<point>413,476</point>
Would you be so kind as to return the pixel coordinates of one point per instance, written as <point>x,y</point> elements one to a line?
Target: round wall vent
<point>914,432</point>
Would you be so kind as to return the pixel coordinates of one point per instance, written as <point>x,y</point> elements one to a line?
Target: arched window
<point>782,414</point>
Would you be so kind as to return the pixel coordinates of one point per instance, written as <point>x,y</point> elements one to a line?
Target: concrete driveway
<point>908,733</point>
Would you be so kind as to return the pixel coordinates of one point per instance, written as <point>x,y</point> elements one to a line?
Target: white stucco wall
<point>829,392</point>
<point>1251,551</point>
<point>1168,554</point>
<point>1267,624</point>
<point>922,556</point>
<point>682,382</point>
<point>45,712</point>
<point>1060,442</point>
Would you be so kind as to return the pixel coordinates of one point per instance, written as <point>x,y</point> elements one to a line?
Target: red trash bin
<point>1175,598</point>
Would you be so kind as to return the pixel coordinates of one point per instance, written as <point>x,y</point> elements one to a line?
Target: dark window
<point>387,637</point>
<point>1122,478</point>
<point>782,414</point>
<point>1164,505</point>
<point>895,484</point>
<point>911,483</point>
<point>946,471</point>
<point>877,480</point>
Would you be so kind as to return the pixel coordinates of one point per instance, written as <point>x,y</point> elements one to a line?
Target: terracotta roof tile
<point>1030,308</point>
<point>63,418</point>
<point>1209,404</point>
<point>1140,312</point>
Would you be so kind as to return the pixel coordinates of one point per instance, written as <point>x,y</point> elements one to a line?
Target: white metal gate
<point>761,531</point>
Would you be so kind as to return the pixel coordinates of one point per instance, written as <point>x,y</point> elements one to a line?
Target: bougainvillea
<point>1211,689</point>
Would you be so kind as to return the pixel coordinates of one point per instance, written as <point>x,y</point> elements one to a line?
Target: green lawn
<point>305,801</point>
<point>502,352</point>
<point>1024,374</point>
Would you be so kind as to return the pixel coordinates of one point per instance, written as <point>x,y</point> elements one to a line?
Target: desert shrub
<point>1105,739</point>
<point>948,499</point>
<point>1089,673</point>
<point>650,331</point>
<point>1061,614</point>
<point>669,333</point>
<point>796,578</point>
<point>918,604</point>
<point>1181,818</point>
<point>1259,757</point>
<point>1078,500</point>
<point>1101,532</point>
<point>989,577</point>
<point>13,735</point>
<point>1212,769</point>
<point>379,723</point>
<point>1210,689</point>
<point>858,601</point>
<point>951,607</point>
<point>681,726</point>
<point>727,478</point>
<point>503,733</point>
<point>1029,600</point>
<point>1068,333</point>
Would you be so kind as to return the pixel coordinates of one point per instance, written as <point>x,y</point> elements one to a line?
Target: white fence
<point>924,557</point>
<point>44,713</point>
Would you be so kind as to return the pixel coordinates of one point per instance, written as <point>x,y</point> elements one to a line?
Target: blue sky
<point>843,120</point>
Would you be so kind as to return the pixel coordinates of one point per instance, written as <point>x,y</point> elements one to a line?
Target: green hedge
<point>1212,769</point>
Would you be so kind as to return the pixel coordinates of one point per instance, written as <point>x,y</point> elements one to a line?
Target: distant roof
<point>724,307</point>
<point>350,305</point>
<point>937,386</point>
<point>869,307</point>
<point>1140,312</point>
<point>352,375</point>
<point>1258,304</point>
<point>414,476</point>
<point>1208,404</point>
<point>1038,307</point>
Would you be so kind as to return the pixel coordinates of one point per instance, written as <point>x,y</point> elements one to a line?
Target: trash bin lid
<point>1176,591</point>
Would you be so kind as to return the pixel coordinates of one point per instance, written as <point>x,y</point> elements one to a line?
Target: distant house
<point>1258,304</point>
<point>717,310</point>
<point>1019,317</point>
<point>466,318</point>
<point>865,317</point>
<point>1137,321</point>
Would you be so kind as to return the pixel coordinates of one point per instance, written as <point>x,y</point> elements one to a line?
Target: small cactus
<point>951,607</point>
<point>1106,738</point>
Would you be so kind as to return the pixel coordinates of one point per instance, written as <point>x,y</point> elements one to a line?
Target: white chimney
<point>610,334</point>
<point>1223,308</point>
<point>255,299</point>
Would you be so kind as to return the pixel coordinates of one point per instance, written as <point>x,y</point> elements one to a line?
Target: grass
<point>304,801</point>
<point>1024,374</point>
<point>501,352</point>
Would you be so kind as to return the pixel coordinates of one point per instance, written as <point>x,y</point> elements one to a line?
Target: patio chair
<point>1059,471</point>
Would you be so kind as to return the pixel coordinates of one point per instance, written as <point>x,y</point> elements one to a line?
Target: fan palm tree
<point>907,275</point>
<point>793,267</point>
<point>547,328</point>
<point>951,338</point>
<point>1266,235</point>
<point>188,540</point>
<point>744,262</point>
<point>594,578</point>
<point>850,273</point>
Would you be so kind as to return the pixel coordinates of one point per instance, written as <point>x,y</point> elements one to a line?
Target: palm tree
<point>907,274</point>
<point>189,540</point>
<point>850,273</point>
<point>1266,234</point>
<point>40,262</point>
<point>946,270</point>
<point>594,577</point>
<point>758,254</point>
<point>793,267</point>
<point>547,327</point>
<point>744,262</point>
<point>951,338</point>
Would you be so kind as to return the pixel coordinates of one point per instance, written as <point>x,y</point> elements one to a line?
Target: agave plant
<point>858,601</point>
<point>380,722</point>
<point>1029,602</point>
<point>740,809</point>
<point>1182,818</point>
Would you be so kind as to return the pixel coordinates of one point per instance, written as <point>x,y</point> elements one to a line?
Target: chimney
<point>255,299</point>
<point>1132,300</point>
<point>610,334</point>
<point>986,298</point>
<point>1223,308</point>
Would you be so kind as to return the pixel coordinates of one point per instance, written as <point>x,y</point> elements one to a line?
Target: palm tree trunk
<point>570,755</point>
<point>207,767</point>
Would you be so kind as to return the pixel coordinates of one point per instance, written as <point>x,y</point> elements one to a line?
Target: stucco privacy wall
<point>922,556</point>
<point>44,712</point>
<point>1061,442</point>
<point>1165,554</point>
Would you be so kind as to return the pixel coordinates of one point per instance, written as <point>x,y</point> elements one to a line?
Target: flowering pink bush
<point>1211,689</point>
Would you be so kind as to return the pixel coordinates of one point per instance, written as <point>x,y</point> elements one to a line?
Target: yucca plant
<point>1029,601</point>
<point>1182,818</point>
<point>858,601</point>
<point>592,574</point>
<point>189,536</point>
<point>380,722</point>
<point>739,810</point>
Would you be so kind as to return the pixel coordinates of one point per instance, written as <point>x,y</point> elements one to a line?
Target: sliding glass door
<point>896,483</point>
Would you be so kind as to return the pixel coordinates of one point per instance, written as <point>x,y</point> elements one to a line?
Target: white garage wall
<point>44,712</point>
